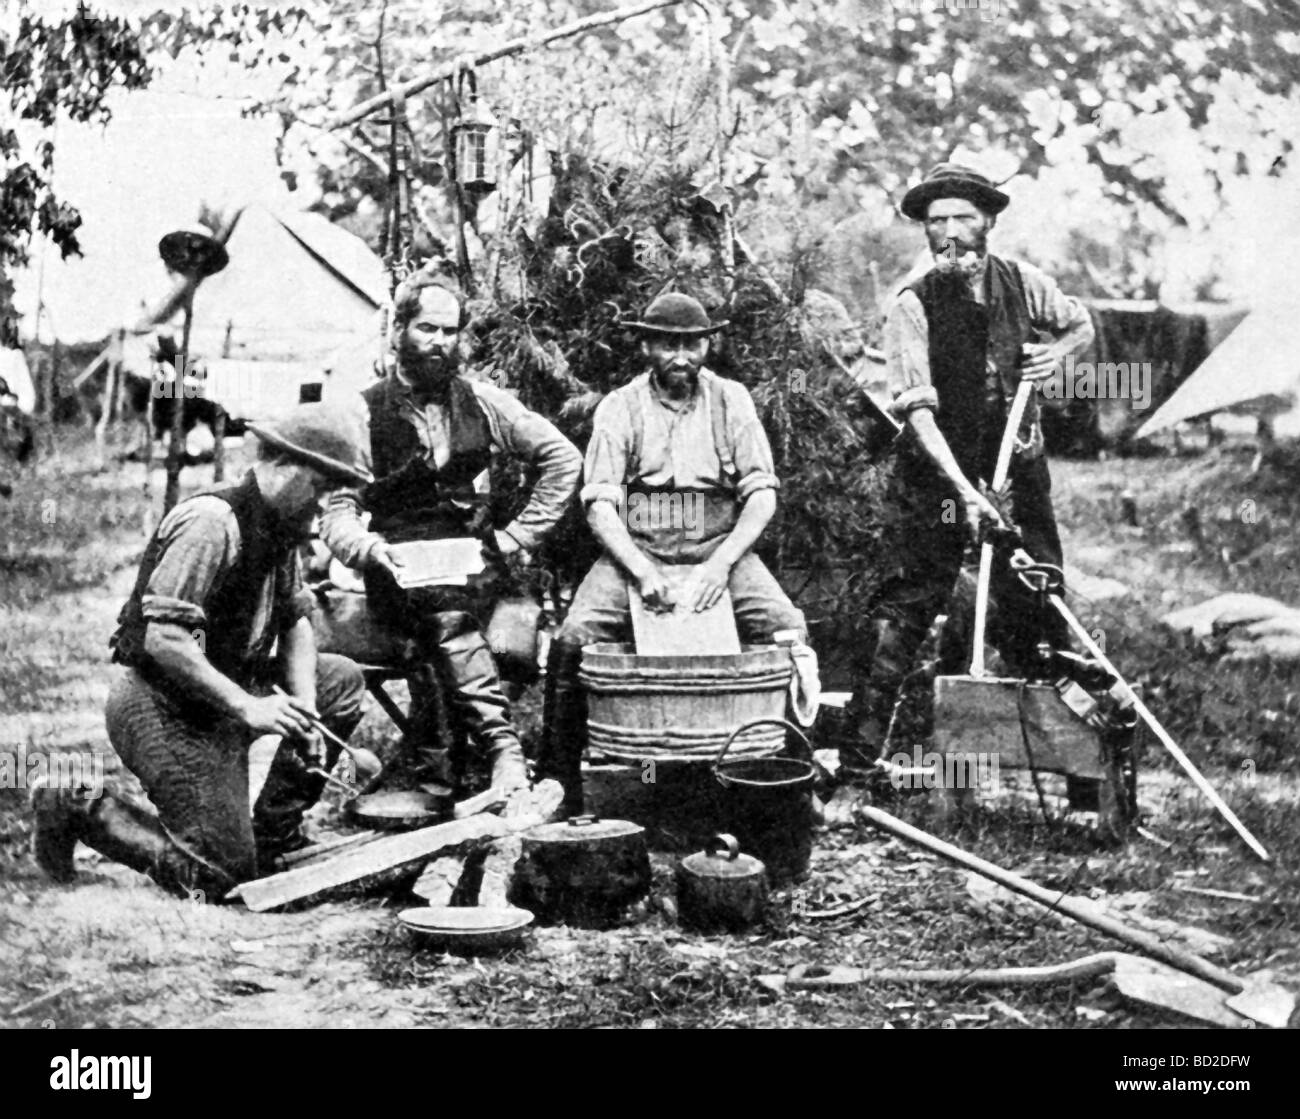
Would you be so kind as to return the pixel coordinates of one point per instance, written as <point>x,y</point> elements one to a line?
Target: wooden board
<point>437,885</point>
<point>994,717</point>
<point>683,631</point>
<point>362,862</point>
<point>391,852</point>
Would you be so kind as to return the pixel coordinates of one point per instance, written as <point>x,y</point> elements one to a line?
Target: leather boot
<point>888,653</point>
<point>56,815</point>
<point>435,743</point>
<point>116,830</point>
<point>564,724</point>
<point>477,698</point>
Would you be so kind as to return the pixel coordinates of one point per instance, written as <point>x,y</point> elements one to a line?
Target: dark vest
<point>232,606</point>
<point>410,498</point>
<point>964,337</point>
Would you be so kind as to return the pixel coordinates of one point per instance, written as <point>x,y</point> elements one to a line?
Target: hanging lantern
<point>475,138</point>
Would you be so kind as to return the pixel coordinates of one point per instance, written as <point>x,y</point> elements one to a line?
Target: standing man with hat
<point>218,616</point>
<point>677,431</point>
<point>961,335</point>
<point>432,433</point>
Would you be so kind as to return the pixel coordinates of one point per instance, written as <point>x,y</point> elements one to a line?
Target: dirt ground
<point>112,950</point>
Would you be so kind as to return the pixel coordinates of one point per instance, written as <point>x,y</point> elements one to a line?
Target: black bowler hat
<point>675,313</point>
<point>951,180</point>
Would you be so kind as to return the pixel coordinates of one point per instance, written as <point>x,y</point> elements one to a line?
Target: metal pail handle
<point>759,723</point>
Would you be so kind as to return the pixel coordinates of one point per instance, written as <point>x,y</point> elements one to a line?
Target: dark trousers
<point>193,763</point>
<point>447,625</point>
<point>929,550</point>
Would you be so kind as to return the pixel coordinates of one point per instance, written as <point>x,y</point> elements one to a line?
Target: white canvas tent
<point>1256,370</point>
<point>297,290</point>
<point>297,287</point>
<point>17,378</point>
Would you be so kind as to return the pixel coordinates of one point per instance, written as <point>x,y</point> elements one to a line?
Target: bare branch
<point>515,46</point>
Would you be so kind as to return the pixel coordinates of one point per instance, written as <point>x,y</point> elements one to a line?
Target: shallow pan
<point>467,928</point>
<point>397,810</point>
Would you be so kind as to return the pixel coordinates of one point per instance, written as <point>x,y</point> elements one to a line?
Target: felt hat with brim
<point>320,436</point>
<point>675,313</point>
<point>951,180</point>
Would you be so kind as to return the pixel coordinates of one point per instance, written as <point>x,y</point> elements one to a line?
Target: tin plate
<point>466,926</point>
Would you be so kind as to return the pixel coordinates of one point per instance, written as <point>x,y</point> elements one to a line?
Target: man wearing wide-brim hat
<point>678,471</point>
<point>962,333</point>
<point>218,617</point>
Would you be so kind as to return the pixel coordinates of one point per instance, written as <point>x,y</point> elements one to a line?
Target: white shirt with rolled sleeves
<point>676,444</point>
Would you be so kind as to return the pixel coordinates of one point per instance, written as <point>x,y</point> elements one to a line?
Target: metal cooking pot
<point>720,888</point>
<point>583,871</point>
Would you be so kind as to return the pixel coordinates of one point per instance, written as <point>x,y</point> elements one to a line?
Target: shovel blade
<point>1158,986</point>
<point>1263,1001</point>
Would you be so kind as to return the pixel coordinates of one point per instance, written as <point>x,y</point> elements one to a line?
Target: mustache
<point>957,244</point>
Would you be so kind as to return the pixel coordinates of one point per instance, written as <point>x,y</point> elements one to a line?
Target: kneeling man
<point>217,617</point>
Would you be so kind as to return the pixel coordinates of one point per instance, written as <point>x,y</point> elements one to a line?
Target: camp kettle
<point>720,889</point>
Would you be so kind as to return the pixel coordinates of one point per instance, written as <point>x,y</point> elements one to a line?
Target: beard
<point>427,369</point>
<point>960,256</point>
<point>679,378</point>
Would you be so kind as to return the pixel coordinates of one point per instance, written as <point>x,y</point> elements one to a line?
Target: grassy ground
<point>112,950</point>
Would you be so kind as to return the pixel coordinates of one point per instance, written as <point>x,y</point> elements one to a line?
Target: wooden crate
<point>1022,724</point>
<point>1029,726</point>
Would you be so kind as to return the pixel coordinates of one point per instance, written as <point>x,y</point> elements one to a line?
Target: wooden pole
<point>470,62</point>
<point>219,444</point>
<point>50,387</point>
<point>106,408</point>
<point>119,401</point>
<point>176,448</point>
<point>1000,470</point>
<point>1153,946</point>
<point>148,447</point>
<point>1198,778</point>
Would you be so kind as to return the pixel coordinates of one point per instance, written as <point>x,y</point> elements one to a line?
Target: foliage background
<point>1147,146</point>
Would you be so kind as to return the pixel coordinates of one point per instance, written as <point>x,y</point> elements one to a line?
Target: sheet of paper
<point>448,562</point>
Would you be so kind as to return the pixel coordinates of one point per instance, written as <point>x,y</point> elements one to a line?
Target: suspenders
<point>715,399</point>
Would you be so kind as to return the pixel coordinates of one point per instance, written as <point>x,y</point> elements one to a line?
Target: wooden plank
<point>682,631</point>
<point>499,872</point>
<point>355,864</point>
<point>439,881</point>
<point>525,810</point>
<point>486,801</point>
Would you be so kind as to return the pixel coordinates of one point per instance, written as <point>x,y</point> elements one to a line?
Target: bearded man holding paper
<point>433,432</point>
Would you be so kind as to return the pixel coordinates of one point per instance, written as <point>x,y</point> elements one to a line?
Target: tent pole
<point>219,418</point>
